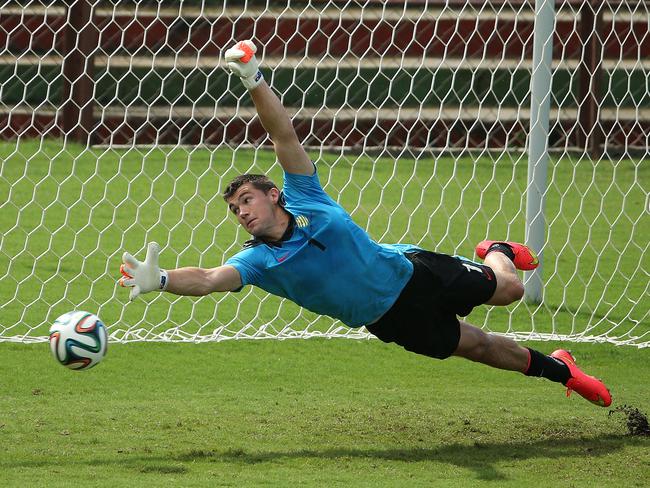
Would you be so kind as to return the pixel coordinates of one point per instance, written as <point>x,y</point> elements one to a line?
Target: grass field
<point>311,413</point>
<point>308,412</point>
<point>68,213</point>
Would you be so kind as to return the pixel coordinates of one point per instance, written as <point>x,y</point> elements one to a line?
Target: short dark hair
<point>260,182</point>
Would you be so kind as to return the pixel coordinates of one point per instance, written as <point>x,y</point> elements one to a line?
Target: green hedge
<point>314,88</point>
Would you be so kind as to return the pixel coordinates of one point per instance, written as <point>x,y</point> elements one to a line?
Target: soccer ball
<point>78,340</point>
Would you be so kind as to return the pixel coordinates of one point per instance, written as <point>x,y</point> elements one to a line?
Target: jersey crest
<point>302,221</point>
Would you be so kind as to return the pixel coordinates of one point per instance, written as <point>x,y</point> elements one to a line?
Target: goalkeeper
<point>305,247</point>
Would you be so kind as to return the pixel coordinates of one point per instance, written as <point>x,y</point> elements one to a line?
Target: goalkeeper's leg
<point>504,353</point>
<point>424,320</point>
<point>505,258</point>
<point>509,286</point>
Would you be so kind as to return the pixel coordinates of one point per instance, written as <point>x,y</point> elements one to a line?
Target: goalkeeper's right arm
<point>146,276</point>
<point>273,116</point>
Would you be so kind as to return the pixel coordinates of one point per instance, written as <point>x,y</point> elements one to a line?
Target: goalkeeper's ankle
<point>503,248</point>
<point>547,367</point>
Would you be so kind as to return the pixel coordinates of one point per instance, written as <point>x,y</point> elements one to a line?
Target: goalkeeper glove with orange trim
<point>143,277</point>
<point>243,63</point>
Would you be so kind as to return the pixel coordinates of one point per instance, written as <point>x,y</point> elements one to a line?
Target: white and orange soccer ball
<point>78,340</point>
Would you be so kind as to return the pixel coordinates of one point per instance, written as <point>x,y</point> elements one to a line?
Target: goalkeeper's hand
<point>243,63</point>
<point>143,277</point>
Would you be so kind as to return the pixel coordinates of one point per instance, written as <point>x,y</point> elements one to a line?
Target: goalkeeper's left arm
<point>146,276</point>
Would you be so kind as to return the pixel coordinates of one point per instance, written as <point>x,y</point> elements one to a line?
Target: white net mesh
<point>119,126</point>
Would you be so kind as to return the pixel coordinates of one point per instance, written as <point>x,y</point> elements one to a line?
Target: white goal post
<point>119,125</point>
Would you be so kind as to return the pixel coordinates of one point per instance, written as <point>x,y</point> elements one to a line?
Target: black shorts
<point>424,317</point>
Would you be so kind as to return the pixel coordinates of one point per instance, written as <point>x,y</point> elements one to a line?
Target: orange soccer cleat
<point>587,386</point>
<point>524,257</point>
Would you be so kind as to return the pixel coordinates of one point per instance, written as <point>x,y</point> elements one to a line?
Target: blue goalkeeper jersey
<point>329,265</point>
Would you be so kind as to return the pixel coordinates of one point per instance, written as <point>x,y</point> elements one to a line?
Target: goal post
<point>540,109</point>
<point>119,125</point>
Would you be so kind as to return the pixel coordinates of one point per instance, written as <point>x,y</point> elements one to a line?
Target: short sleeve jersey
<point>329,265</point>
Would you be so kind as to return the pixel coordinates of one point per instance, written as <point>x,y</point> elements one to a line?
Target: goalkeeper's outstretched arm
<point>146,276</point>
<point>273,116</point>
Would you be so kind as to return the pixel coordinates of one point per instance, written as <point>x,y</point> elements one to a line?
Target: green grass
<point>311,413</point>
<point>67,214</point>
<point>317,412</point>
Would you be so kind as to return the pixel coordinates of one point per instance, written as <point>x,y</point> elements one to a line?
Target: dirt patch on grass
<point>636,421</point>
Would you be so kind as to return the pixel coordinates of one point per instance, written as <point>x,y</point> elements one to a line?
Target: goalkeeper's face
<point>257,211</point>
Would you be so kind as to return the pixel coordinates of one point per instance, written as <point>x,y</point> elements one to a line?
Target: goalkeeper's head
<point>257,203</point>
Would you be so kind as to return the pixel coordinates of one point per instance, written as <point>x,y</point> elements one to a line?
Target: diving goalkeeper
<point>306,248</point>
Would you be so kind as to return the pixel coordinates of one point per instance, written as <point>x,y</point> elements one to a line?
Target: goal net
<point>119,126</point>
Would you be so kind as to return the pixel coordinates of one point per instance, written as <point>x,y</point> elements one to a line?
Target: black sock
<point>502,247</point>
<point>548,367</point>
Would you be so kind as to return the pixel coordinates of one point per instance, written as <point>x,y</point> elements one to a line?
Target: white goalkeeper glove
<point>243,63</point>
<point>143,277</point>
